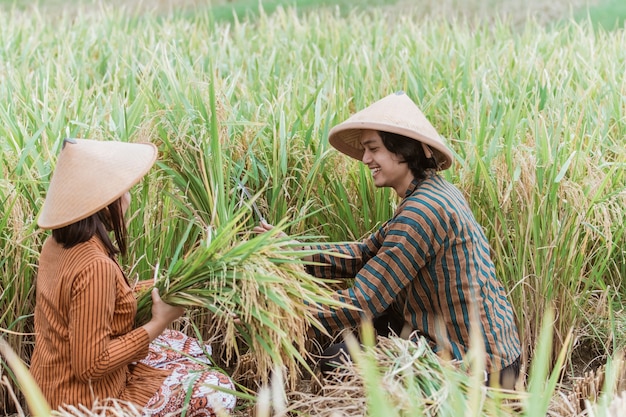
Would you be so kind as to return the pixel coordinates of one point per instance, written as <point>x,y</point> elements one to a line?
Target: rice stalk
<point>533,113</point>
<point>256,280</point>
<point>37,403</point>
<point>18,242</point>
<point>412,380</point>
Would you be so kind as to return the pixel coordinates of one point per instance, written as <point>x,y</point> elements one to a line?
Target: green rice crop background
<point>533,106</point>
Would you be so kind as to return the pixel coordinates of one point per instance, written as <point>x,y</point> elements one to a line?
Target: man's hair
<point>411,152</point>
<point>110,218</point>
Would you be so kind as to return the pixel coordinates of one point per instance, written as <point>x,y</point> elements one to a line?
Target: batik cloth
<point>194,384</point>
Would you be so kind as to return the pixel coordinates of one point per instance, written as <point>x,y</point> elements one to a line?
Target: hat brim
<point>396,113</point>
<point>90,175</point>
<point>346,138</point>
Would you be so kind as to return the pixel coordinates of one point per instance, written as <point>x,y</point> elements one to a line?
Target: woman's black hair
<point>411,152</point>
<point>110,218</point>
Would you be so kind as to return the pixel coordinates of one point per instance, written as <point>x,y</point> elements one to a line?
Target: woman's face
<point>388,169</point>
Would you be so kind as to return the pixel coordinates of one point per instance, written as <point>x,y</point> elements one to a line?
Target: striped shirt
<point>85,344</point>
<point>431,264</point>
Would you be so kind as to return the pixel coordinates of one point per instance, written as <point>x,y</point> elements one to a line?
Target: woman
<point>86,347</point>
<point>426,272</point>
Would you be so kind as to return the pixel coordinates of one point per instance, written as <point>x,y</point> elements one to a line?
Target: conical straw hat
<point>396,113</point>
<point>90,175</point>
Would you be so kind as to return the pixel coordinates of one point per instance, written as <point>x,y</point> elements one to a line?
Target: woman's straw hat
<point>90,175</point>
<point>396,113</point>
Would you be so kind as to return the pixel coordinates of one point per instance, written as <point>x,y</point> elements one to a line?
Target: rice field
<point>530,96</point>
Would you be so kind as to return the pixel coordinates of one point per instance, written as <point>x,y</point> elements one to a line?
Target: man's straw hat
<point>396,113</point>
<point>90,175</point>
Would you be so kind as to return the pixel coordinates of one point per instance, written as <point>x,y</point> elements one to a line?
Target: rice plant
<point>530,100</point>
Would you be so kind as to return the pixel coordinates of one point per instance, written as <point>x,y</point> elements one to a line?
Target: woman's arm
<point>95,349</point>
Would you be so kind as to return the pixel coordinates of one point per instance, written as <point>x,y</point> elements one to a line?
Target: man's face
<point>388,169</point>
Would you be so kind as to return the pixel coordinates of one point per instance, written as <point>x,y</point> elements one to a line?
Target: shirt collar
<point>412,188</point>
<point>416,183</point>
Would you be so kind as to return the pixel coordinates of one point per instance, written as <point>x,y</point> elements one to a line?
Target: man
<point>428,268</point>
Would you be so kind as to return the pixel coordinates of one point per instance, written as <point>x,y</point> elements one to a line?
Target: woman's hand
<point>163,315</point>
<point>163,311</point>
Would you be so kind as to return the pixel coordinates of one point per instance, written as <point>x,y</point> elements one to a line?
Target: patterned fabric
<point>191,381</point>
<point>431,265</point>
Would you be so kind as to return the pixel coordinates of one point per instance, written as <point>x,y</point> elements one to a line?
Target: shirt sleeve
<point>391,257</point>
<point>94,349</point>
<point>338,260</point>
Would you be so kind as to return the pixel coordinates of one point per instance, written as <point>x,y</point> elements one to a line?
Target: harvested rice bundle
<point>402,378</point>
<point>258,281</point>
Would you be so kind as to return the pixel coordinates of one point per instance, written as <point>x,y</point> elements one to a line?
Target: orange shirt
<point>85,344</point>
